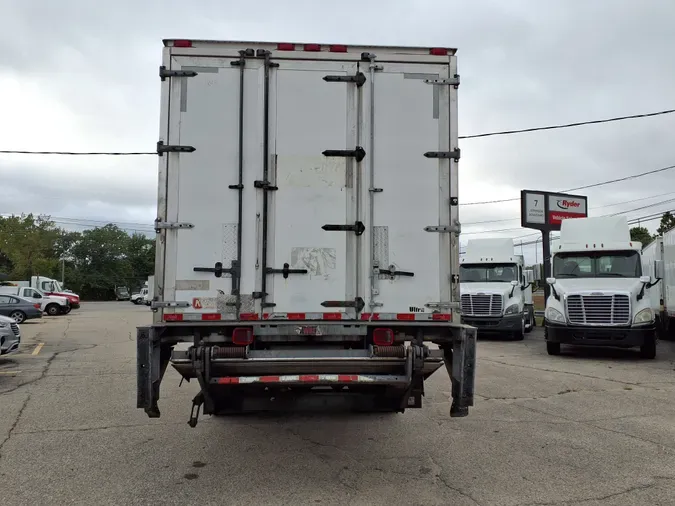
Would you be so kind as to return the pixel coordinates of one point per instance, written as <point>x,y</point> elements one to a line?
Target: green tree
<point>667,222</point>
<point>27,246</point>
<point>641,234</point>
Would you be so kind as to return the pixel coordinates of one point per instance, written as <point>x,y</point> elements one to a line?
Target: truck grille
<point>15,328</point>
<point>482,305</point>
<point>598,309</point>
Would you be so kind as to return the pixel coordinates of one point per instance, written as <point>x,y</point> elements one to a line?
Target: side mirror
<point>645,279</point>
<point>514,283</point>
<point>536,272</point>
<point>529,276</point>
<point>659,269</point>
<point>550,281</point>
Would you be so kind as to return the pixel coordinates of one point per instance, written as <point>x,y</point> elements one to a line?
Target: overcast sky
<point>78,75</point>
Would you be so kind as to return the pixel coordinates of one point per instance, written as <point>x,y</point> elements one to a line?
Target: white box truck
<point>600,295</point>
<point>658,259</point>
<point>307,227</point>
<point>496,290</point>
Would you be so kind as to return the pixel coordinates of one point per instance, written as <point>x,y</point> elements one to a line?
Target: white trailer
<point>308,225</point>
<point>658,259</point>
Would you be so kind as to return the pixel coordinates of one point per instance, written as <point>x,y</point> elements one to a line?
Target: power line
<point>79,153</point>
<point>594,185</point>
<point>473,136</point>
<point>568,125</point>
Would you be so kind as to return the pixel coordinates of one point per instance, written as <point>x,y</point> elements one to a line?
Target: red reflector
<point>295,316</point>
<point>370,316</point>
<point>285,46</point>
<point>332,316</point>
<point>182,43</point>
<point>248,316</point>
<point>441,316</point>
<point>383,337</point>
<point>438,51</point>
<point>173,317</point>
<point>211,316</point>
<point>345,378</point>
<point>242,336</point>
<point>338,48</point>
<point>312,47</point>
<point>405,316</point>
<point>269,379</point>
<point>309,378</point>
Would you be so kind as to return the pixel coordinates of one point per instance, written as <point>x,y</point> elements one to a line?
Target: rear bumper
<point>509,323</point>
<point>331,365</point>
<point>599,336</point>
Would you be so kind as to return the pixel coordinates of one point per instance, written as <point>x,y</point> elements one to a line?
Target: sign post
<point>545,211</point>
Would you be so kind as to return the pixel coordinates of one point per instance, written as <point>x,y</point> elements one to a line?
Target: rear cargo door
<point>410,192</point>
<point>202,187</point>
<point>311,267</point>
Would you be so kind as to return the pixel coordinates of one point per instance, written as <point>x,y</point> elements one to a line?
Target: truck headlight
<point>4,325</point>
<point>512,309</point>
<point>554,315</point>
<point>644,316</point>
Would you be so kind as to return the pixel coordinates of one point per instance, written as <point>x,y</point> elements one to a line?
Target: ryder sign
<point>546,210</point>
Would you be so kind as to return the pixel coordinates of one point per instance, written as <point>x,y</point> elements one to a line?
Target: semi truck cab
<point>599,294</point>
<point>496,291</point>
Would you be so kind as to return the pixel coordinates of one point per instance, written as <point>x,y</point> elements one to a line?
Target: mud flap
<point>152,360</point>
<point>460,361</point>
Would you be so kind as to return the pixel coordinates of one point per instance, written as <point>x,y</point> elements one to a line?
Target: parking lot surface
<point>591,427</point>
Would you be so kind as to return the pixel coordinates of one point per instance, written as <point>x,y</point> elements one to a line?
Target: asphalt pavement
<point>591,427</point>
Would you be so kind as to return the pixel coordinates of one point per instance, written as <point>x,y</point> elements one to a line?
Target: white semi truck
<point>661,253</point>
<point>600,295</point>
<point>496,290</point>
<point>308,228</point>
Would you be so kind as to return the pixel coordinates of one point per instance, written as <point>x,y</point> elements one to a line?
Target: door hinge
<point>453,81</point>
<point>359,79</point>
<point>456,229</point>
<point>358,154</point>
<point>454,154</point>
<point>358,228</point>
<point>168,225</point>
<point>159,304</point>
<point>164,73</point>
<point>392,272</point>
<point>244,53</point>
<point>265,185</point>
<point>172,148</point>
<point>358,303</point>
<point>286,271</point>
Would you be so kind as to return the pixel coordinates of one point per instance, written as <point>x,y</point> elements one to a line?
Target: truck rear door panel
<point>311,116</point>
<point>205,115</point>
<point>411,118</point>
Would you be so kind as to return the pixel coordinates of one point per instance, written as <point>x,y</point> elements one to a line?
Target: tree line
<point>643,235</point>
<point>94,262</point>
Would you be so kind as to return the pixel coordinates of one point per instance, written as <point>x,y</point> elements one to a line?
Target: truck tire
<point>648,349</point>
<point>53,309</point>
<point>18,316</point>
<point>552,348</point>
<point>531,321</point>
<point>519,335</point>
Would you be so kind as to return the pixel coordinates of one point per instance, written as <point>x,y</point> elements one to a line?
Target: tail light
<point>438,51</point>
<point>242,336</point>
<point>182,43</point>
<point>383,337</point>
<point>285,46</point>
<point>36,306</point>
<point>312,47</point>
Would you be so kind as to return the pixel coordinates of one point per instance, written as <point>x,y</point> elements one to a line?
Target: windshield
<point>488,273</point>
<point>597,264</point>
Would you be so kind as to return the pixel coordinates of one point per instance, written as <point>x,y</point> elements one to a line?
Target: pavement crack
<point>449,485</point>
<point>634,488</point>
<point>14,424</point>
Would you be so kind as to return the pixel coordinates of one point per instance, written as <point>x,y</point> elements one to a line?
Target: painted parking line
<point>37,349</point>
<point>9,372</point>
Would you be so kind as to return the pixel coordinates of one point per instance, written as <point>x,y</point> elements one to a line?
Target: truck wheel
<point>519,335</point>
<point>531,322</point>
<point>53,309</point>
<point>648,349</point>
<point>553,348</point>
<point>18,316</point>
